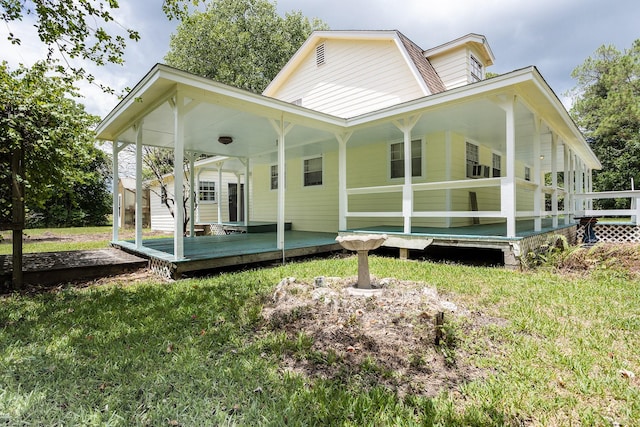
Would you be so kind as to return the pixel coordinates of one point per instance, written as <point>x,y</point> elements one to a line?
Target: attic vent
<point>320,54</point>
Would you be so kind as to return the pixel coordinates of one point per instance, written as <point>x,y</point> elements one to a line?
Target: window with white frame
<point>396,159</point>
<point>473,159</point>
<point>476,69</point>
<point>274,177</point>
<point>497,161</point>
<point>313,171</point>
<point>207,191</point>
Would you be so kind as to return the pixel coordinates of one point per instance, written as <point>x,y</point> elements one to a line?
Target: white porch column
<point>238,204</point>
<point>572,184</point>
<point>508,190</point>
<point>116,195</point>
<point>537,175</point>
<point>343,200</point>
<point>406,125</point>
<point>138,128</point>
<point>448,162</point>
<point>192,197</point>
<point>579,183</point>
<point>554,179</point>
<point>281,131</point>
<point>178,174</point>
<point>116,148</point>
<point>219,191</point>
<point>567,183</point>
<point>246,191</point>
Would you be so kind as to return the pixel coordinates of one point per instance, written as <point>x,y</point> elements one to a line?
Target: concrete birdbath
<point>362,244</point>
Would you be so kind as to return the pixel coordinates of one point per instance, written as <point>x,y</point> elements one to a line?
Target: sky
<point>554,35</point>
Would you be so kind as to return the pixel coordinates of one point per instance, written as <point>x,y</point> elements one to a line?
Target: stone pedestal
<point>362,244</point>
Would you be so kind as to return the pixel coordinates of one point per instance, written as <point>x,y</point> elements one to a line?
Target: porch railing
<point>633,212</point>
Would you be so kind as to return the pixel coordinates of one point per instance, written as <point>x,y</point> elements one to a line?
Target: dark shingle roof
<point>428,73</point>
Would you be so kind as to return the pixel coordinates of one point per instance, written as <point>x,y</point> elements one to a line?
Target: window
<point>527,173</point>
<point>274,177</point>
<point>320,55</point>
<point>473,159</point>
<point>313,171</point>
<point>207,191</point>
<point>476,69</point>
<point>497,160</point>
<point>396,156</point>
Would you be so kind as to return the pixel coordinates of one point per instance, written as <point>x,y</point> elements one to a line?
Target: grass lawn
<point>68,239</point>
<point>195,352</point>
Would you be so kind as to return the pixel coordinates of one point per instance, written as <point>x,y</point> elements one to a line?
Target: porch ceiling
<point>212,110</point>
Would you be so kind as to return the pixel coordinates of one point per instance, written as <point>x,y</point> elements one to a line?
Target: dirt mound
<point>387,338</point>
<point>611,256</point>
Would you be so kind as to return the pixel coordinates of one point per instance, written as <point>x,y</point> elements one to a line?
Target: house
<point>127,203</point>
<point>219,189</point>
<point>495,163</point>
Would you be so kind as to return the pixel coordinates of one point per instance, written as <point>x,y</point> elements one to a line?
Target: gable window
<point>396,156</point>
<point>497,160</point>
<point>313,171</point>
<point>320,55</point>
<point>476,69</point>
<point>473,159</point>
<point>207,191</point>
<point>274,177</point>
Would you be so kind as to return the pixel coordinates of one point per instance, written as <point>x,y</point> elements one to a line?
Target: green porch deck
<point>493,232</point>
<point>209,252</point>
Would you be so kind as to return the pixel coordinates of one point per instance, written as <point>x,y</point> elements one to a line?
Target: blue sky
<point>554,35</point>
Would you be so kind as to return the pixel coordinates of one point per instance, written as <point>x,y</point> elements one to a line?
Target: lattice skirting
<point>613,233</point>
<point>534,243</point>
<point>161,268</point>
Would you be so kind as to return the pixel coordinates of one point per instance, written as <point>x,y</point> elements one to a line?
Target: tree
<point>158,165</point>
<point>80,30</point>
<point>607,109</point>
<point>243,43</point>
<point>51,132</point>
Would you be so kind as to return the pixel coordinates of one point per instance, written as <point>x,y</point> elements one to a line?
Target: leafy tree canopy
<point>53,130</point>
<point>607,109</point>
<point>243,43</point>
<point>80,29</point>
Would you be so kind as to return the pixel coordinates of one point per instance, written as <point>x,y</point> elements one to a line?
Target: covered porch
<point>543,163</point>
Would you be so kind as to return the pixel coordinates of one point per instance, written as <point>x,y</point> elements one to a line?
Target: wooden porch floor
<point>209,252</point>
<point>524,228</point>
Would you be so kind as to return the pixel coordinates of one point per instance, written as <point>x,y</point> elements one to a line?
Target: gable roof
<point>477,40</point>
<point>424,73</point>
<point>429,74</point>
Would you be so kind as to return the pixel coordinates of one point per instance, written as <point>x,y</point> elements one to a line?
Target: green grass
<point>66,239</point>
<point>188,353</point>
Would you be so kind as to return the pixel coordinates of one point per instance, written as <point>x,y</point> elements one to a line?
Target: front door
<point>234,200</point>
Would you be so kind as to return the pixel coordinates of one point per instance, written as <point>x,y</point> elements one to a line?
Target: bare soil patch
<point>387,339</point>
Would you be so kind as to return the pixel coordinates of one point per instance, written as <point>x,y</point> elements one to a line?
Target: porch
<point>216,251</point>
<point>479,236</point>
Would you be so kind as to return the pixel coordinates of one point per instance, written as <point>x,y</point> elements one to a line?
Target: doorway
<point>236,198</point>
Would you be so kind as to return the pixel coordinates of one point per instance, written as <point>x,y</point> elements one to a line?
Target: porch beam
<point>343,199</point>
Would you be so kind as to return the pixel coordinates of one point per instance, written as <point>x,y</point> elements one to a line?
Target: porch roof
<point>213,110</point>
